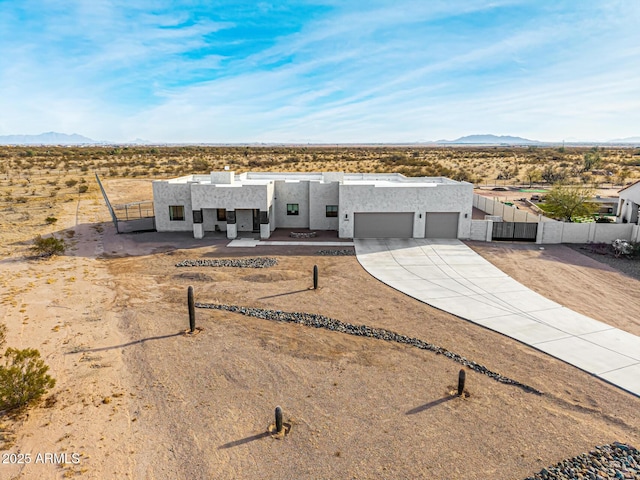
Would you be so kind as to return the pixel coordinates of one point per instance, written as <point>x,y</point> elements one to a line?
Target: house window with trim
<point>222,215</point>
<point>292,209</point>
<point>176,212</point>
<point>332,210</point>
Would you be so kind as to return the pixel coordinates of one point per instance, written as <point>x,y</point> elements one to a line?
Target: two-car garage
<point>400,224</point>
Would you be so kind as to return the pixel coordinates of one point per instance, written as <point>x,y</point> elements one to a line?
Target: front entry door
<point>256,219</point>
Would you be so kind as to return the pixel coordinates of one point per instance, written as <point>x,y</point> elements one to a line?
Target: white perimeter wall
<point>561,232</point>
<point>481,230</point>
<point>507,212</point>
<point>419,200</point>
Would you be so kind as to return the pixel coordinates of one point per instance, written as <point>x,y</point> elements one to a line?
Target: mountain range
<point>49,138</point>
<point>489,140</point>
<point>55,138</point>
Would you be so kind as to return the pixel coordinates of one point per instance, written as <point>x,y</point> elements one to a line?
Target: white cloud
<point>375,74</point>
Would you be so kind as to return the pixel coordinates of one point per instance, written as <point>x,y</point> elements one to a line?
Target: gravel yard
<point>603,253</point>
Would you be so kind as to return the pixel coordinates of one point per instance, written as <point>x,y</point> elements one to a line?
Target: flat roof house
<point>356,205</point>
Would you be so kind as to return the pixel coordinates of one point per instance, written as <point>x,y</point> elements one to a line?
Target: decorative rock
<point>605,462</point>
<point>320,321</point>
<point>303,234</point>
<point>337,253</point>
<point>258,262</point>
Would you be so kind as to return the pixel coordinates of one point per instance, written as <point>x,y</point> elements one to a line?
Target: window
<point>332,210</point>
<point>222,215</point>
<point>292,209</point>
<point>176,212</point>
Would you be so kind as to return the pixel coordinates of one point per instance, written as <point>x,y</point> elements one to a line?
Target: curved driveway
<point>450,276</point>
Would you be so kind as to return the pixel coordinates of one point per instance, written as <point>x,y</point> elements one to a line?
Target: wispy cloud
<point>321,71</point>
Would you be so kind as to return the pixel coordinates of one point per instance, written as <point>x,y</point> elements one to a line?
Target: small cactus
<point>278,419</point>
<point>461,378</point>
<point>315,277</point>
<point>192,310</point>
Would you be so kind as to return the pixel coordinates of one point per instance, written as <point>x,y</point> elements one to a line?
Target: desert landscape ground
<point>136,397</point>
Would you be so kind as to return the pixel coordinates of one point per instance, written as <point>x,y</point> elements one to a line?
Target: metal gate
<point>520,231</point>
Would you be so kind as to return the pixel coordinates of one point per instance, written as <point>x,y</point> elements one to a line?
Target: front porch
<point>232,222</point>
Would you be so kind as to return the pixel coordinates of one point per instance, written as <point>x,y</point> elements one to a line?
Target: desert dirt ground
<point>138,398</point>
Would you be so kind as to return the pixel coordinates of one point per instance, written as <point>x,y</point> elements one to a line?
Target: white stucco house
<point>629,200</point>
<point>356,205</point>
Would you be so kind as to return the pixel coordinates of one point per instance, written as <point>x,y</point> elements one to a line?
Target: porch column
<point>232,228</point>
<point>265,230</point>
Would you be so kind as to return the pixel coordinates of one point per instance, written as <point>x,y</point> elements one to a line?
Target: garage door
<point>442,225</point>
<point>383,225</point>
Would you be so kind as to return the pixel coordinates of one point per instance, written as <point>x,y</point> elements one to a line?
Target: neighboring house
<point>628,203</point>
<point>606,205</point>
<point>356,205</point>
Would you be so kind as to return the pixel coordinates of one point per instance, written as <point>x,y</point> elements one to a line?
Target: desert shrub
<point>83,188</point>
<point>23,378</point>
<point>50,220</point>
<point>200,165</point>
<point>71,183</point>
<point>3,334</point>
<point>48,246</point>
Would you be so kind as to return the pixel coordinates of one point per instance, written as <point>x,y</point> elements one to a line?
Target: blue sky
<point>320,71</point>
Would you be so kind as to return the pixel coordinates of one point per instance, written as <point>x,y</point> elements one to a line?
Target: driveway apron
<point>448,275</point>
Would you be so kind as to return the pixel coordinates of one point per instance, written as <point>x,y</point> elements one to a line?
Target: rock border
<point>337,253</point>
<point>614,461</point>
<point>303,234</point>
<point>320,321</point>
<point>257,262</point>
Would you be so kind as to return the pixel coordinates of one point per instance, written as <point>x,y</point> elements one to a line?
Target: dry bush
<point>23,378</point>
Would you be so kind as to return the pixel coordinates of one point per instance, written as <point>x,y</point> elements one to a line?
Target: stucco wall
<point>507,212</point>
<point>631,193</point>
<point>165,194</point>
<point>608,233</point>
<point>229,197</point>
<point>321,195</point>
<point>550,232</point>
<point>419,200</point>
<point>481,230</point>
<point>244,220</point>
<point>560,232</point>
<point>210,220</point>
<point>291,192</point>
<point>576,232</point>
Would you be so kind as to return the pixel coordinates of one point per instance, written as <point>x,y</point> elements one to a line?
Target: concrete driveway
<point>450,276</point>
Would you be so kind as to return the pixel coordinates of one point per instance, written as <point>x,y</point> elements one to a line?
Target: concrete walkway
<point>450,276</point>
<point>250,242</point>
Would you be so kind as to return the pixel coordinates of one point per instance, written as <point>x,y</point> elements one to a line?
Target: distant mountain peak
<point>48,138</point>
<point>488,139</point>
<point>634,140</point>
